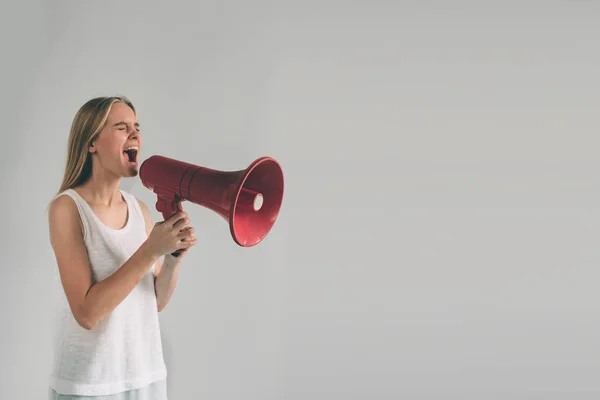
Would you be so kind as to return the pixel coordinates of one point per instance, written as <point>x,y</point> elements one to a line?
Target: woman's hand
<point>171,235</point>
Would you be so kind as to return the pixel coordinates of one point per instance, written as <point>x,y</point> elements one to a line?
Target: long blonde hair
<point>87,124</point>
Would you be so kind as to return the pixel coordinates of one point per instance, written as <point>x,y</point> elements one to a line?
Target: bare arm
<point>167,273</point>
<point>90,302</point>
<point>166,280</point>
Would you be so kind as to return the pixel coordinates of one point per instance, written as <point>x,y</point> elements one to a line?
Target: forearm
<point>104,296</point>
<point>166,281</point>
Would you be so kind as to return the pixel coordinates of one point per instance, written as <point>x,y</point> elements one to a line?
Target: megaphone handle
<point>168,208</point>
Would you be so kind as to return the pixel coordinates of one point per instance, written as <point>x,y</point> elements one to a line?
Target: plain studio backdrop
<point>439,231</point>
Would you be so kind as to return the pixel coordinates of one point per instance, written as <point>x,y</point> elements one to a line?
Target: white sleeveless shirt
<point>124,351</point>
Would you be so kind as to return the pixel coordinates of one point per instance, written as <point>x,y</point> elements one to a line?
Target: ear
<point>92,148</point>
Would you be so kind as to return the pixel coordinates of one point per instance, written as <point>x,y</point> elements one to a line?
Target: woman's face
<point>117,146</point>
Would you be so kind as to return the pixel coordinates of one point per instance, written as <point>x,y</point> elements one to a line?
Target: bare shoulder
<point>66,228</point>
<point>63,215</point>
<point>62,204</point>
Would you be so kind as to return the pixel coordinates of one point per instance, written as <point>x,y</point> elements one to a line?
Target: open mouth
<point>131,154</point>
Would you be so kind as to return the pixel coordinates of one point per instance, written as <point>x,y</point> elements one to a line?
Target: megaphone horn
<point>249,200</point>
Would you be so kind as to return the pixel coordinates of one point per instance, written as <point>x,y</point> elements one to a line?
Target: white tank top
<point>124,351</point>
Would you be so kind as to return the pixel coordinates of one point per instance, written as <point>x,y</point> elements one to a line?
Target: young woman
<point>108,252</point>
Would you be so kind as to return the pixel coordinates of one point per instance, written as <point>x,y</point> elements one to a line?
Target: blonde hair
<point>87,124</point>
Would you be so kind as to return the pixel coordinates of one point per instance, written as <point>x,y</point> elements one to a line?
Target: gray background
<point>438,237</point>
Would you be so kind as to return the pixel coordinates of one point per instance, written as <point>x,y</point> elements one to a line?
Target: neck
<point>102,187</point>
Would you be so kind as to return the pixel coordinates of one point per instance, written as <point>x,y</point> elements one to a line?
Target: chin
<point>132,172</point>
<point>128,171</point>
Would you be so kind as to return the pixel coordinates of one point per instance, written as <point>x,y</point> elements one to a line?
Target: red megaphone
<point>249,200</point>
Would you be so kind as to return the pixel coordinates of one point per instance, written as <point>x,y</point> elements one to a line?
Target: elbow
<point>86,324</point>
<point>160,307</point>
<point>85,321</point>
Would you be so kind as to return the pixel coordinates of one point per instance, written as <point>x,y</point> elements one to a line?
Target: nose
<point>133,132</point>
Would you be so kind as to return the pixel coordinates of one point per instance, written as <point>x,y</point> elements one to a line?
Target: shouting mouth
<point>131,154</point>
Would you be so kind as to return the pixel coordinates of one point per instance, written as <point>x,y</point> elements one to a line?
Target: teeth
<point>130,155</point>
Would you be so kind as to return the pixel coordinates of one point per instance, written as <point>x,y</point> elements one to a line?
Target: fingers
<point>189,243</point>
<point>186,243</point>
<point>173,218</point>
<point>179,221</point>
<point>186,234</point>
<point>187,231</point>
<point>182,224</point>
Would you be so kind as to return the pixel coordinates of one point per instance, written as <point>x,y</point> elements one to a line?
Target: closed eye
<point>122,126</point>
